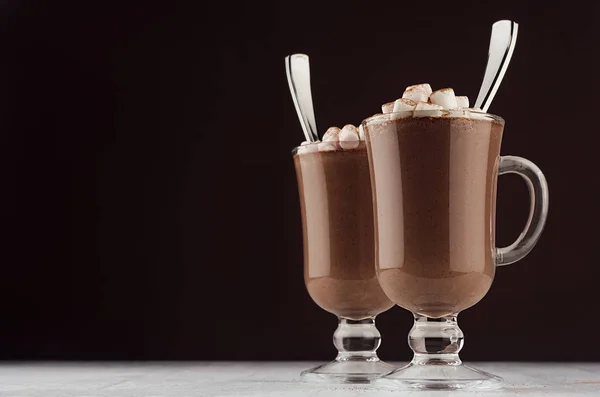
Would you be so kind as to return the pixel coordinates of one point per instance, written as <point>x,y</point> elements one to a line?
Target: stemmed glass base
<point>348,370</point>
<point>439,376</point>
<point>436,364</point>
<point>357,361</point>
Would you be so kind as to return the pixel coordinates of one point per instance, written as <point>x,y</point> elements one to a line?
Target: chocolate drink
<point>338,232</point>
<point>435,196</point>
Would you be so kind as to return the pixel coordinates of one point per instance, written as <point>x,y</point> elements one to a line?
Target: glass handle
<point>538,212</point>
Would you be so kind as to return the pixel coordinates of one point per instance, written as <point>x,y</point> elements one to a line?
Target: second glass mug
<point>339,270</point>
<point>434,185</point>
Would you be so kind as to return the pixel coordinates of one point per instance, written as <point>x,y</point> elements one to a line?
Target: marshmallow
<point>308,147</point>
<point>361,133</point>
<point>349,137</point>
<point>380,116</point>
<point>331,135</point>
<point>445,98</point>
<point>462,101</point>
<point>403,105</point>
<point>326,146</point>
<point>424,109</point>
<point>417,93</point>
<point>387,107</point>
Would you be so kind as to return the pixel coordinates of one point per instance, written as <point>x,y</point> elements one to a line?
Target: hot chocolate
<point>434,180</point>
<point>337,217</point>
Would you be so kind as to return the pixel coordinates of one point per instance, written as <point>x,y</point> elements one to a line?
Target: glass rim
<point>377,118</point>
<point>381,117</point>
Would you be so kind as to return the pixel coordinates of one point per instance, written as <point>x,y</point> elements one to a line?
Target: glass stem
<point>435,341</point>
<point>357,339</point>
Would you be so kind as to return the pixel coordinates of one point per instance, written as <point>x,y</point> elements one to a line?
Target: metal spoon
<point>297,68</point>
<point>502,45</point>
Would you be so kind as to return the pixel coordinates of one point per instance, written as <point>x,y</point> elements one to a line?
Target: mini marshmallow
<point>387,107</point>
<point>403,105</point>
<point>326,146</point>
<point>331,135</point>
<point>444,97</point>
<point>349,137</point>
<point>424,109</point>
<point>361,133</point>
<point>462,101</point>
<point>417,93</point>
<point>308,147</point>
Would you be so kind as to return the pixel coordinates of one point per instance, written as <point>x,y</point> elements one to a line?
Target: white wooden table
<point>278,379</point>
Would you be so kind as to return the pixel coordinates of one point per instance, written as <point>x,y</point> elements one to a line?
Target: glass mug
<point>434,185</point>
<point>339,269</point>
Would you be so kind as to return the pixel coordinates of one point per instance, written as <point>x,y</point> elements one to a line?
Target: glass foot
<point>353,370</point>
<point>436,365</point>
<point>439,377</point>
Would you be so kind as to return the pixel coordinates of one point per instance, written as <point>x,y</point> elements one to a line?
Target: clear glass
<point>434,183</point>
<point>339,268</point>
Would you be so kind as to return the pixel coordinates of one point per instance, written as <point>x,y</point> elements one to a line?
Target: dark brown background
<point>149,204</point>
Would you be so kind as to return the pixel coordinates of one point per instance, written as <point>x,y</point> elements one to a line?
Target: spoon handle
<point>502,45</point>
<point>297,68</point>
